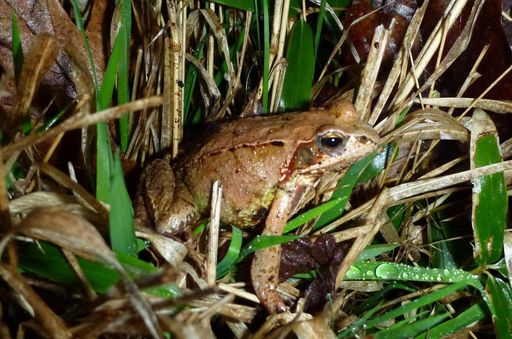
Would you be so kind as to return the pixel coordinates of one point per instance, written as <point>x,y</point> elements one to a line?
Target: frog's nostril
<point>363,139</point>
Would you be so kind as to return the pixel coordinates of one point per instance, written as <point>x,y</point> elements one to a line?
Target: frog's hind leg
<point>163,200</point>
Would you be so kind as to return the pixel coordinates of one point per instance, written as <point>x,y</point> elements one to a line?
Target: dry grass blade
<point>39,58</point>
<point>213,234</point>
<point>455,51</point>
<point>82,121</point>
<point>66,181</point>
<point>371,69</point>
<point>213,90</point>
<point>496,106</point>
<point>52,324</point>
<point>396,70</point>
<point>174,77</point>
<point>452,12</point>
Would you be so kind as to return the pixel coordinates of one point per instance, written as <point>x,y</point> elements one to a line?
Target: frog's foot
<point>265,278</point>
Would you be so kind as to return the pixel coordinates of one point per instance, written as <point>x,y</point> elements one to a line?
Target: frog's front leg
<point>266,262</point>
<point>163,200</point>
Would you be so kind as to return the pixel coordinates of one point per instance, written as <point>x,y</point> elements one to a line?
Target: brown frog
<point>270,167</point>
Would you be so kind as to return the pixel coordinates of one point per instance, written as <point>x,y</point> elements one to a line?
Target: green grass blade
<point>123,85</point>
<point>298,80</point>
<point>469,316</point>
<point>319,24</point>
<point>490,210</point>
<point>80,26</point>
<point>232,254</point>
<point>375,299</point>
<point>501,298</point>
<point>17,50</point>
<point>443,253</point>
<point>416,304</point>
<point>372,251</point>
<point>411,327</point>
<point>264,241</point>
<point>345,186</point>
<point>122,232</point>
<point>311,214</point>
<point>104,162</point>
<point>109,78</point>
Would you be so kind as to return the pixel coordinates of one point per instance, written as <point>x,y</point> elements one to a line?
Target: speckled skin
<point>270,167</point>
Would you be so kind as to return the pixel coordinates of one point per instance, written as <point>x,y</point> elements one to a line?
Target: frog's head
<point>340,140</point>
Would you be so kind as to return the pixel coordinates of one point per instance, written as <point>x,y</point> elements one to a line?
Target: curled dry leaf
<point>68,231</point>
<point>30,202</point>
<point>77,235</point>
<point>429,124</point>
<point>51,19</point>
<point>171,250</point>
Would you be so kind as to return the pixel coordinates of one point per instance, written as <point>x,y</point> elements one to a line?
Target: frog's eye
<point>331,143</point>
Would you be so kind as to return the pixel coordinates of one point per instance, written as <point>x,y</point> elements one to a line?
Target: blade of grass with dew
<point>367,270</point>
<point>17,50</point>
<point>123,86</point>
<point>266,53</point>
<point>410,328</point>
<point>264,241</point>
<point>501,297</point>
<point>298,79</point>
<point>122,232</point>
<point>244,5</point>
<point>231,257</point>
<point>490,200</point>
<point>464,319</point>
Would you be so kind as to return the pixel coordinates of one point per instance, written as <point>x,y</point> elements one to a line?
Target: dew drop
<point>386,271</point>
<point>353,273</point>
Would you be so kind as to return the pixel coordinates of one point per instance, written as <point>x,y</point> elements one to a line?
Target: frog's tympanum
<point>270,167</point>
